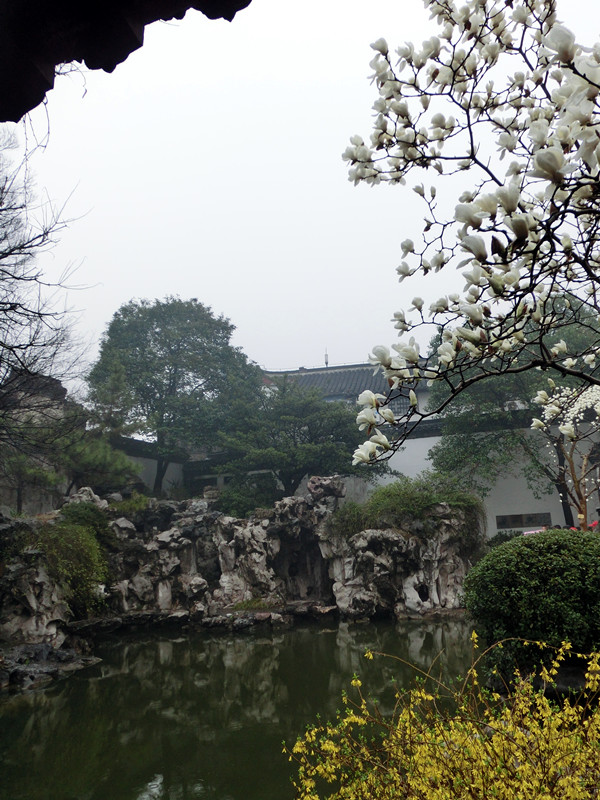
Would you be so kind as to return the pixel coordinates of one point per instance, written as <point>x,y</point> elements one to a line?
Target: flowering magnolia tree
<point>504,92</point>
<point>571,423</point>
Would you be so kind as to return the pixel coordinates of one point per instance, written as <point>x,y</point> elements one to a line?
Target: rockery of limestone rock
<point>187,563</point>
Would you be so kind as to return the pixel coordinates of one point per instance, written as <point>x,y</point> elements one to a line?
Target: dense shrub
<point>389,506</point>
<point>76,561</point>
<point>501,537</point>
<point>245,493</point>
<point>443,744</point>
<point>90,516</point>
<point>131,505</point>
<point>349,519</point>
<point>544,586</point>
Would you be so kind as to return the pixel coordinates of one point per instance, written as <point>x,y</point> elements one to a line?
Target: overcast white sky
<point>208,165</point>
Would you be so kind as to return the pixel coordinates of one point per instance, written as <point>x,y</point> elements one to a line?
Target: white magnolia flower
<point>380,46</point>
<point>470,214</point>
<point>404,271</point>
<point>508,197</point>
<point>562,42</point>
<point>380,355</point>
<point>364,453</point>
<point>568,430</point>
<point>550,165</point>
<point>408,352</point>
<point>387,414</point>
<point>439,306</point>
<point>369,398</point>
<point>475,245</point>
<point>367,418</point>
<point>381,440</point>
<point>446,353</point>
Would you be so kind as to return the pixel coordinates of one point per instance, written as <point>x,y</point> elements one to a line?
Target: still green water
<point>203,716</point>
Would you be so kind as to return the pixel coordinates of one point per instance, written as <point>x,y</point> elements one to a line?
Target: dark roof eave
<point>36,36</point>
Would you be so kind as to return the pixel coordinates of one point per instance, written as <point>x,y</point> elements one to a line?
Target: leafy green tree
<point>88,459</point>
<point>167,370</point>
<point>291,432</point>
<point>23,473</point>
<point>59,453</point>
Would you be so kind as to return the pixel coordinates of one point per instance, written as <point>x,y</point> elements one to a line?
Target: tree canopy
<point>168,371</point>
<point>289,433</point>
<point>504,93</point>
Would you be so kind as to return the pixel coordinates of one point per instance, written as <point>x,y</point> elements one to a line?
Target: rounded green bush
<point>544,587</point>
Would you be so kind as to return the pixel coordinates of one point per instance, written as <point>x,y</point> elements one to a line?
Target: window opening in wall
<point>533,520</point>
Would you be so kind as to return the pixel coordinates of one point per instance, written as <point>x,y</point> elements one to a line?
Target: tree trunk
<point>566,507</point>
<point>562,489</point>
<point>161,470</point>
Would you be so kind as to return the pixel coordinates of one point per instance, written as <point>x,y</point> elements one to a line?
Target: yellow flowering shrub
<point>465,742</point>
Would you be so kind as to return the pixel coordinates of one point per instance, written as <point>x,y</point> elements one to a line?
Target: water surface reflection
<point>203,716</point>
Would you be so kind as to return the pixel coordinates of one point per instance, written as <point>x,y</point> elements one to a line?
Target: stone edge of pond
<point>29,666</point>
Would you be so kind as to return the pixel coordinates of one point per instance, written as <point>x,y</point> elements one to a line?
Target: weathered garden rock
<point>33,607</point>
<point>393,571</point>
<point>87,495</point>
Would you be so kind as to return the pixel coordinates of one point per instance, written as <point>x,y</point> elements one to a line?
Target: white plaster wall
<point>147,472</point>
<point>510,495</point>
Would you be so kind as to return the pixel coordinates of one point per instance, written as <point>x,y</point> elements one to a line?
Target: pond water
<point>203,716</point>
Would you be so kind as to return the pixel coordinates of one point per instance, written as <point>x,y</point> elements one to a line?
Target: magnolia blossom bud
<point>388,415</point>
<point>567,243</point>
<point>380,46</point>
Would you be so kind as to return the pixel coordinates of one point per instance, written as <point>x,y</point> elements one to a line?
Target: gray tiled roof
<point>342,383</point>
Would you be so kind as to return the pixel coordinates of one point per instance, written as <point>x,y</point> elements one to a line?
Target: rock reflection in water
<point>202,717</point>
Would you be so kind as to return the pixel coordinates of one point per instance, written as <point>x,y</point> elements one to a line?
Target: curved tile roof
<point>343,383</point>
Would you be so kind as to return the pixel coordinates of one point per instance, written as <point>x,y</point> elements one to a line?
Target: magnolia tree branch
<point>570,420</point>
<point>505,93</point>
